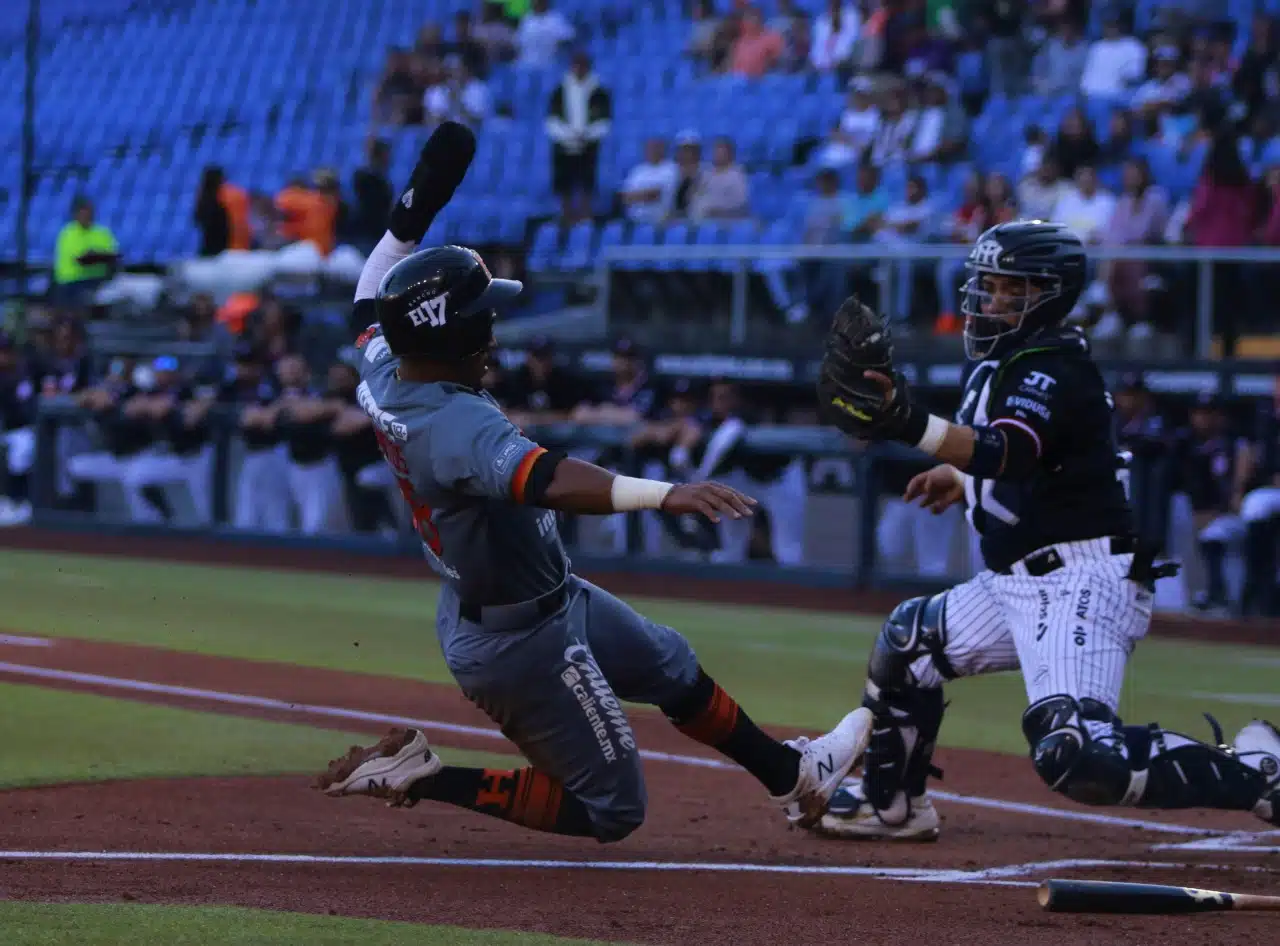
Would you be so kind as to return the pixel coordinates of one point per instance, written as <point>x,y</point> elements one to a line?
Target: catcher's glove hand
<point>859,390</point>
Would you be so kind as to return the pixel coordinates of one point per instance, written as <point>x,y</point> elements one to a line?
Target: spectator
<point>1001,203</point>
<point>1139,219</point>
<point>631,396</point>
<point>18,400</point>
<point>1059,65</point>
<point>908,222</point>
<point>1116,62</point>
<point>540,391</point>
<point>304,416</point>
<point>1034,145</point>
<point>1270,232</point>
<point>1086,208</point>
<point>308,212</point>
<point>1260,509</point>
<point>1257,80</point>
<point>221,214</point>
<point>494,34</point>
<point>924,52</point>
<point>261,493</point>
<point>864,210</point>
<point>1224,203</point>
<point>1075,144</point>
<point>459,96</point>
<point>397,94</point>
<point>374,196</point>
<point>578,118</point>
<point>465,46</point>
<point>1039,193</point>
<point>689,170</point>
<point>1224,212</point>
<point>963,226</point>
<point>85,257</point>
<point>355,451</point>
<point>1119,144</point>
<point>1167,86</point>
<point>1205,101</point>
<point>756,50</point>
<point>940,131</point>
<point>822,282</point>
<point>1006,50</point>
<point>649,192</point>
<point>66,367</point>
<point>541,34</point>
<point>799,47</point>
<point>785,19</point>
<point>722,189</point>
<point>273,329</point>
<point>706,41</point>
<point>429,44</point>
<point>199,326</point>
<point>855,130</point>
<point>893,135</point>
<point>1212,468</point>
<point>835,33</point>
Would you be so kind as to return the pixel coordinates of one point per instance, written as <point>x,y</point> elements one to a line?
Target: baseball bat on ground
<point>1097,896</point>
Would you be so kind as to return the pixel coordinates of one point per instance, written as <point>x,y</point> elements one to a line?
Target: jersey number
<point>421,511</point>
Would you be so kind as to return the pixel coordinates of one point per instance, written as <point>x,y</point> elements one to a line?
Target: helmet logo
<point>987,253</point>
<point>407,199</point>
<point>430,312</point>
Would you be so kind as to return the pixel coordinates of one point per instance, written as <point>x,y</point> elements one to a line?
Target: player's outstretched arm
<point>576,486</point>
<point>442,164</point>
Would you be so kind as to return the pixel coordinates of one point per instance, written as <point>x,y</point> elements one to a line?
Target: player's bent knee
<point>1068,759</point>
<point>618,821</point>
<point>915,628</point>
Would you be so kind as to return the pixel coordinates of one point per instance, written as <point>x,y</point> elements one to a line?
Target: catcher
<point>1067,588</point>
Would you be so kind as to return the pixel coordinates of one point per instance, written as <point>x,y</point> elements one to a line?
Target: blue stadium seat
<point>544,249</point>
<point>579,247</point>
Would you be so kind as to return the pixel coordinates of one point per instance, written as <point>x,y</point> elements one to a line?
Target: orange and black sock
<point>522,796</point>
<point>711,716</point>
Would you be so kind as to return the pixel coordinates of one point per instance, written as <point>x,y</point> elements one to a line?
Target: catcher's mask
<point>1023,277</point>
<point>996,304</point>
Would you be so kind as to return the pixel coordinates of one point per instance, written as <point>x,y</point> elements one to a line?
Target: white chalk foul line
<point>1244,842</point>
<point>996,876</point>
<point>338,712</point>
<point>21,640</point>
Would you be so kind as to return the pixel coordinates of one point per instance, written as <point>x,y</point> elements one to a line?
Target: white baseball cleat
<point>1258,746</point>
<point>824,762</point>
<point>385,770</point>
<point>851,816</point>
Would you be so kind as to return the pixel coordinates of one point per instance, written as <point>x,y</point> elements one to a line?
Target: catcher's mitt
<point>859,341</point>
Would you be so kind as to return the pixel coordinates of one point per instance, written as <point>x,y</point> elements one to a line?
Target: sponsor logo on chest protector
<point>603,711</point>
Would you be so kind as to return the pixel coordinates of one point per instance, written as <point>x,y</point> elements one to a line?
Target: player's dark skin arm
<point>582,488</point>
<point>956,449</point>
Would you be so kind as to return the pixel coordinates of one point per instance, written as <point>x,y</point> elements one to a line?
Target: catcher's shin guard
<point>908,716</point>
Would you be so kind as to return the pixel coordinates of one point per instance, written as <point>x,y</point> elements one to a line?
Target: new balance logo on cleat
<point>826,767</point>
<point>407,199</point>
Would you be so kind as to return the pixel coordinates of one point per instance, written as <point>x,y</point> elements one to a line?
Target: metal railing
<point>897,255</point>
<point>845,491</point>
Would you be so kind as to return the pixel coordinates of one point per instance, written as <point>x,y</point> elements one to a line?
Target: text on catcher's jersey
<point>1051,392</point>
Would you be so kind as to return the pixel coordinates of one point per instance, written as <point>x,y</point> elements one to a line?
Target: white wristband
<point>934,433</point>
<point>629,493</point>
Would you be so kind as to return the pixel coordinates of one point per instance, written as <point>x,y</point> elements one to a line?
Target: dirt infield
<point>700,817</point>
<point>712,865</point>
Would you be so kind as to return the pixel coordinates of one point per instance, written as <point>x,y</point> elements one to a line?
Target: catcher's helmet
<point>1050,261</point>
<point>441,303</point>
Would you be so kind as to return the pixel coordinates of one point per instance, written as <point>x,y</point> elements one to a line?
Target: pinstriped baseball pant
<point>1071,631</point>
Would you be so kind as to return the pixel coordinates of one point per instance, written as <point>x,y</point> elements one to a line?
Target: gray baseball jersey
<point>462,467</point>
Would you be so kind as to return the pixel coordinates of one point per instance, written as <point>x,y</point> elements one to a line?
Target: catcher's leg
<point>651,663</point>
<point>925,642</point>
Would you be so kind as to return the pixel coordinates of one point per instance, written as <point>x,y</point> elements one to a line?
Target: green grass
<point>787,667</point>
<point>42,924</point>
<point>50,736</point>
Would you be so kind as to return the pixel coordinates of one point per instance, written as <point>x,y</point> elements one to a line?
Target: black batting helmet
<point>1049,259</point>
<point>441,303</point>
